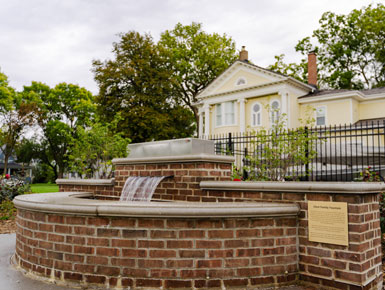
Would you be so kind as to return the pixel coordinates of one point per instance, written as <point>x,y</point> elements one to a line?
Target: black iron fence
<point>332,153</point>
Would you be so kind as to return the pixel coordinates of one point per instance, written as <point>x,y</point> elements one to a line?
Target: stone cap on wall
<point>78,203</point>
<point>78,181</point>
<point>176,159</point>
<point>316,187</point>
<point>174,147</point>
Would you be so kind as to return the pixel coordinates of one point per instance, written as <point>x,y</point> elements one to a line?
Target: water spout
<point>140,188</point>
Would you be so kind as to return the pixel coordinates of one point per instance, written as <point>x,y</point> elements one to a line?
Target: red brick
<point>150,244</point>
<point>123,262</point>
<point>319,271</point>
<point>125,223</point>
<point>236,262</point>
<point>55,238</point>
<point>83,250</point>
<point>73,276</point>
<point>192,234</point>
<point>162,254</point>
<point>76,220</point>
<point>98,221</point>
<point>97,260</point>
<point>180,244</point>
<point>179,263</point>
<point>134,253</point>
<point>262,242</point>
<point>221,234</point>
<point>151,223</point>
<point>98,242</point>
<point>247,272</point>
<point>163,234</point>
<point>95,279</point>
<point>148,283</point>
<point>318,252</point>
<point>84,231</point>
<point>178,283</point>
<point>228,253</point>
<point>108,271</point>
<point>263,261</point>
<point>192,274</point>
<point>235,282</point>
<point>150,263</point>
<point>56,219</point>
<point>272,232</point>
<point>107,252</point>
<point>205,244</point>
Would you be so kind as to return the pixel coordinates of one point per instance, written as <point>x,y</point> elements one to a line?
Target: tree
<point>196,58</point>
<point>350,49</point>
<point>94,150</point>
<point>137,86</point>
<point>17,112</point>
<point>62,111</point>
<point>297,71</point>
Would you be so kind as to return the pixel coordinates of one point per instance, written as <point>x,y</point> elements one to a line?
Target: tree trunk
<point>6,157</point>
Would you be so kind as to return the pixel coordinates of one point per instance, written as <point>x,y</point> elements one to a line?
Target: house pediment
<point>240,75</point>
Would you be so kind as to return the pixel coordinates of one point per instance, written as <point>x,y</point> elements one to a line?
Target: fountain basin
<point>70,239</point>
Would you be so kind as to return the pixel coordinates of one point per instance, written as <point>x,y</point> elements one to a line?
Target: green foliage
<point>7,210</point>
<point>196,58</point>
<point>17,113</point>
<point>94,149</point>
<point>137,86</point>
<point>297,71</point>
<point>62,111</point>
<point>350,50</point>
<point>276,151</point>
<point>43,173</point>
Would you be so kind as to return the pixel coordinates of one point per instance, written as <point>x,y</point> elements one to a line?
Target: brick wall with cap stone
<point>340,267</point>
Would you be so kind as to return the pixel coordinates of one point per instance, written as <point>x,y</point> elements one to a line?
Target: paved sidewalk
<point>11,279</point>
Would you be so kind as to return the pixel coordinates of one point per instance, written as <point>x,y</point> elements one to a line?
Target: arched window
<point>256,114</point>
<point>275,108</point>
<point>240,81</point>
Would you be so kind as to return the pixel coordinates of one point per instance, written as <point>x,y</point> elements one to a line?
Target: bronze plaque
<point>328,222</point>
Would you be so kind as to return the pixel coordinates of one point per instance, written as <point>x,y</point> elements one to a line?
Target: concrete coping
<point>78,203</point>
<point>176,159</point>
<point>77,181</point>
<point>312,187</point>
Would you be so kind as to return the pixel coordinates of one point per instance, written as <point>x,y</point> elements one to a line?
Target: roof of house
<point>333,92</point>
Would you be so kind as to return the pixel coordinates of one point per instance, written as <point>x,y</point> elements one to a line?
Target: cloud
<point>55,41</point>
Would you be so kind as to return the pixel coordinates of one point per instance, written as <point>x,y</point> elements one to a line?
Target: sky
<point>54,41</point>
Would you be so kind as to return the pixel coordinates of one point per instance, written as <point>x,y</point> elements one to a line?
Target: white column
<point>200,133</point>
<point>285,106</point>
<point>242,116</point>
<point>207,120</point>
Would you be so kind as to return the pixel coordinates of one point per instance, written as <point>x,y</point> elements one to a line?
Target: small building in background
<point>247,97</point>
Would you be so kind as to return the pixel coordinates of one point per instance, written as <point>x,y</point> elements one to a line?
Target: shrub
<point>11,187</point>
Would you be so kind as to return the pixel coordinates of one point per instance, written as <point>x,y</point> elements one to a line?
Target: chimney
<point>312,69</point>
<point>243,54</point>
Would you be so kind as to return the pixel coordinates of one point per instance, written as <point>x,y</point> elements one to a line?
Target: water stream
<point>140,188</point>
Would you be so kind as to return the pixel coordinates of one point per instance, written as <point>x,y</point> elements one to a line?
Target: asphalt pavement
<point>12,279</point>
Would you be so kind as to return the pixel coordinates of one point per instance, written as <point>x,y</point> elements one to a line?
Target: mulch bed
<point>7,226</point>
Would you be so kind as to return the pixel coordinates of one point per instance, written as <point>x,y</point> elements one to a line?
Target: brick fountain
<point>200,231</point>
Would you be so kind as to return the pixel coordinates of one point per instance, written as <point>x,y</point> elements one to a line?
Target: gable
<point>251,74</point>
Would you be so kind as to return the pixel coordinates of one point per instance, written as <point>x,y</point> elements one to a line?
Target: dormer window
<point>241,81</point>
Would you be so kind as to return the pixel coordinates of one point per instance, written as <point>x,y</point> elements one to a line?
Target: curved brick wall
<point>149,252</point>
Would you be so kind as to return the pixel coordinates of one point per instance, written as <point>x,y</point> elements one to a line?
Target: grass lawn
<point>44,187</point>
